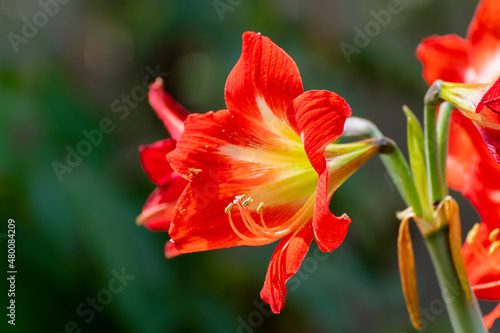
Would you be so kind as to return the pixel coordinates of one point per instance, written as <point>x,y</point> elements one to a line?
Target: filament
<point>259,230</point>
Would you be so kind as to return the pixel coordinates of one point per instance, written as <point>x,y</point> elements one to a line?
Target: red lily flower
<point>471,169</point>
<point>157,211</point>
<point>482,255</point>
<point>476,60</point>
<point>274,145</point>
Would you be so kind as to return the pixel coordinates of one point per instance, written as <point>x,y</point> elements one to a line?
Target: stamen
<point>260,232</point>
<point>228,208</point>
<point>471,236</point>
<point>239,197</point>
<point>260,208</point>
<point>247,202</point>
<point>493,235</point>
<point>494,246</point>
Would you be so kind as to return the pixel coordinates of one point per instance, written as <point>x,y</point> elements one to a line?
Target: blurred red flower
<point>471,168</point>
<point>482,255</point>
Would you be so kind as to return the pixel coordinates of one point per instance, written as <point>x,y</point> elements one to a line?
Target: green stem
<point>392,158</point>
<point>464,317</point>
<point>431,155</point>
<point>443,127</point>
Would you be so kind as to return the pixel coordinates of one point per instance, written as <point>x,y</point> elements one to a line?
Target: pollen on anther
<point>260,208</point>
<point>239,197</point>
<point>247,202</point>
<point>228,208</point>
<point>471,236</point>
<point>493,235</point>
<point>494,246</point>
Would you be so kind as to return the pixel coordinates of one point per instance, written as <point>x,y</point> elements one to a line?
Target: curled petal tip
<point>139,220</point>
<point>171,113</point>
<point>170,250</point>
<point>157,83</point>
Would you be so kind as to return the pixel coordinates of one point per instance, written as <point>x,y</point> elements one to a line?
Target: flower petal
<point>490,318</point>
<point>170,250</point>
<point>232,146</point>
<point>489,124</point>
<point>154,161</point>
<point>472,170</point>
<point>156,213</point>
<point>320,117</point>
<point>444,57</point>
<point>285,262</point>
<point>264,81</point>
<point>329,230</point>
<point>484,38</point>
<point>462,151</point>
<point>170,112</point>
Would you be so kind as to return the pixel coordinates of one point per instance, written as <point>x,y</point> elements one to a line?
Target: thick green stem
<point>464,317</point>
<point>431,154</point>
<point>443,127</point>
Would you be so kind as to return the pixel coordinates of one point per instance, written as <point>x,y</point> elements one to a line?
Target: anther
<point>228,208</point>
<point>493,235</point>
<point>471,236</point>
<point>247,202</point>
<point>260,208</point>
<point>494,246</point>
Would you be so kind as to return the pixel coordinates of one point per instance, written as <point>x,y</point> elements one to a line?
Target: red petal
<point>491,98</point>
<point>484,38</point>
<point>472,170</point>
<point>489,127</point>
<point>491,138</point>
<point>329,230</point>
<point>171,113</point>
<point>444,57</point>
<point>156,214</point>
<point>154,161</point>
<point>205,150</point>
<point>285,262</point>
<point>483,190</point>
<point>170,250</point>
<point>320,117</point>
<point>464,142</point>
<point>490,318</point>
<point>263,71</point>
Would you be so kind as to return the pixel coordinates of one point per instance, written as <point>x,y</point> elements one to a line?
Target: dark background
<point>76,232</point>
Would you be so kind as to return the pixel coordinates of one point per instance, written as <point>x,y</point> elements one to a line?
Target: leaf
<point>416,151</point>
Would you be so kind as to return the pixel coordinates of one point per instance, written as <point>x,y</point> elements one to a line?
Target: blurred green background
<point>75,233</point>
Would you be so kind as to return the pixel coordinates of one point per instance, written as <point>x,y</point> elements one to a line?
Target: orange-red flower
<point>471,168</point>
<point>157,211</point>
<point>265,168</point>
